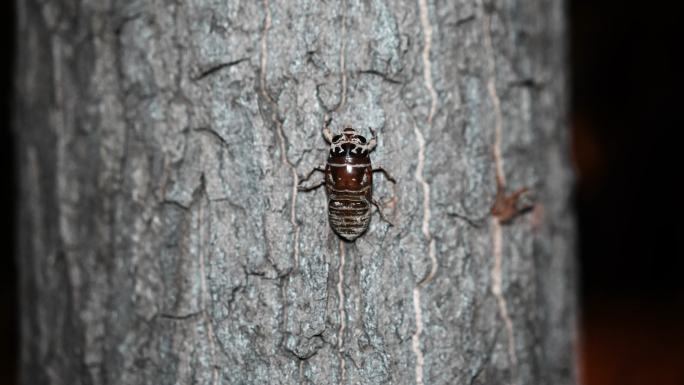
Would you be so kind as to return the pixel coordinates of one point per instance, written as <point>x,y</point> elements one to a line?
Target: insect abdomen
<point>349,184</point>
<point>349,214</point>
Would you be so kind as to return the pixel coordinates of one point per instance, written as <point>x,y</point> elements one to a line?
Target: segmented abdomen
<point>348,212</point>
<point>349,184</point>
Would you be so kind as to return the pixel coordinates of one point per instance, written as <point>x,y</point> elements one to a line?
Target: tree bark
<point>163,239</point>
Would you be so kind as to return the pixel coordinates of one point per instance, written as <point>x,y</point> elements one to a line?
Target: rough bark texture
<point>163,241</point>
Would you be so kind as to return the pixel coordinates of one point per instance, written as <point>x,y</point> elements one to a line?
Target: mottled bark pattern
<point>162,236</point>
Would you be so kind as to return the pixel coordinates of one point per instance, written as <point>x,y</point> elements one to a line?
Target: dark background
<point>626,123</point>
<point>626,117</point>
<point>8,291</point>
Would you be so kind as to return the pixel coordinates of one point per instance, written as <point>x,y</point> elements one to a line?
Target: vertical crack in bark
<point>342,313</point>
<point>279,130</point>
<point>497,247</point>
<point>205,297</point>
<point>429,85</point>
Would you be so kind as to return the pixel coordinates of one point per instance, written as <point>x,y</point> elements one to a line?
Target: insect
<point>348,182</point>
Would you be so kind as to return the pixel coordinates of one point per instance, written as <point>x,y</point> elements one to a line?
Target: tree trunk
<point>163,239</point>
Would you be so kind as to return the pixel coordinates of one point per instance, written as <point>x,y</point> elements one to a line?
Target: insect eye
<point>361,139</point>
<point>336,138</point>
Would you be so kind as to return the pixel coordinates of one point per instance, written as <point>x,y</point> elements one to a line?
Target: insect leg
<point>373,141</point>
<point>382,215</point>
<point>312,187</point>
<point>305,178</point>
<point>327,134</point>
<point>393,200</point>
<point>387,174</point>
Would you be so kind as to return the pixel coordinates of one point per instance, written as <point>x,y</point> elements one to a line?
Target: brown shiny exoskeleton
<point>348,182</point>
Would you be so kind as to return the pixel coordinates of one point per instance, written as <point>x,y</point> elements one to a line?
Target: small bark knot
<point>508,206</point>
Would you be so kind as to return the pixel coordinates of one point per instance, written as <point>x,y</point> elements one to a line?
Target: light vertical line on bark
<point>264,51</point>
<point>279,129</point>
<point>426,208</point>
<point>427,77</point>
<point>497,291</point>
<point>205,297</point>
<point>498,123</point>
<point>415,340</point>
<point>494,96</point>
<point>427,67</point>
<point>497,241</point>
<point>343,59</point>
<point>341,312</point>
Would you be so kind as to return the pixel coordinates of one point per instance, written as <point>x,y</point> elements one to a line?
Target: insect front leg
<point>327,134</point>
<point>373,141</point>
<point>306,178</point>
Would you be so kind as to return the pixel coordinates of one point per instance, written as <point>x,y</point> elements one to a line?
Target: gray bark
<point>162,240</point>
